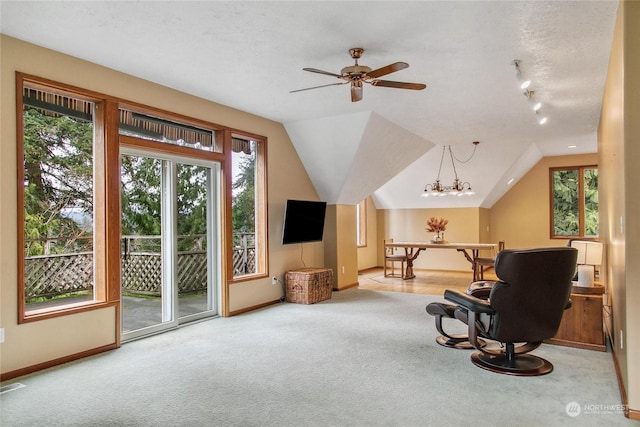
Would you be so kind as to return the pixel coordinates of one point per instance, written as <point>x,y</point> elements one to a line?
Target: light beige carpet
<point>363,358</point>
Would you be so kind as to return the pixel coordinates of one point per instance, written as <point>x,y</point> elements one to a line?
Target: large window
<point>69,143</point>
<point>248,207</point>
<point>574,202</point>
<point>57,222</point>
<point>150,127</point>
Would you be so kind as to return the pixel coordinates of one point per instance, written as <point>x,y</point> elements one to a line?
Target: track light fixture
<point>528,93</point>
<point>524,83</point>
<point>537,106</point>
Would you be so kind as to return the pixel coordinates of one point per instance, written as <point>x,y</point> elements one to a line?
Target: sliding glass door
<point>170,244</point>
<point>195,232</point>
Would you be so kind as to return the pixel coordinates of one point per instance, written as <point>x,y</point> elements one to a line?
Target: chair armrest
<point>469,302</point>
<point>481,289</point>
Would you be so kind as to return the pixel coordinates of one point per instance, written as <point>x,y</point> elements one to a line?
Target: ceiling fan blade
<point>391,68</point>
<point>356,92</point>
<point>398,85</point>
<point>315,70</point>
<point>316,87</point>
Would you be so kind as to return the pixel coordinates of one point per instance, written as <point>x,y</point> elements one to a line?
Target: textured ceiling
<point>249,55</point>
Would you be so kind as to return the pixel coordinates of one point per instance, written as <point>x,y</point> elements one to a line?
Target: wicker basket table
<point>309,285</point>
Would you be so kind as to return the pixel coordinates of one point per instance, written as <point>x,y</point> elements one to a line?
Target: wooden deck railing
<point>59,274</point>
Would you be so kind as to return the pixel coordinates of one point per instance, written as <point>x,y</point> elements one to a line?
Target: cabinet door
<point>581,324</point>
<point>588,311</point>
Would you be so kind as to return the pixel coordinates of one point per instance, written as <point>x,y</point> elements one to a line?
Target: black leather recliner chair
<point>524,308</point>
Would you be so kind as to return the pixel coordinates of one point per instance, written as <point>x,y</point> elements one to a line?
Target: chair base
<point>457,342</point>
<point>524,365</point>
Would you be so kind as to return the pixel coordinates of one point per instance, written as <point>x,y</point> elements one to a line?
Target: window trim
<point>581,202</point>
<point>107,207</point>
<point>103,154</point>
<point>262,217</point>
<point>214,155</point>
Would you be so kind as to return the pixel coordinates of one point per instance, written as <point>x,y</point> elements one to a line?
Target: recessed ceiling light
<point>543,120</point>
<point>571,146</point>
<point>537,106</point>
<point>510,181</point>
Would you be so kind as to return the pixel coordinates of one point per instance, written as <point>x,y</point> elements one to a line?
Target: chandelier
<point>458,187</point>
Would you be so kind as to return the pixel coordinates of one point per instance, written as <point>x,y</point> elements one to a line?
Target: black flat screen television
<point>303,221</point>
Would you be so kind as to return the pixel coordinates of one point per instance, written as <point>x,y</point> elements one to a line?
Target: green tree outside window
<point>574,198</point>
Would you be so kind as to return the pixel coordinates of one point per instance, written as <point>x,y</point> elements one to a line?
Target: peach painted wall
<point>368,255</point>
<point>521,217</point>
<point>410,224</point>
<point>38,342</point>
<point>619,153</point>
<point>340,249</point>
<point>632,199</point>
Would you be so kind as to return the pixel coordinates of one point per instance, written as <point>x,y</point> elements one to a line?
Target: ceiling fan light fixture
<point>356,91</point>
<point>358,74</point>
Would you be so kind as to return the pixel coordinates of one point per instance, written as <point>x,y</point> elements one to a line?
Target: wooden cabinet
<point>582,324</point>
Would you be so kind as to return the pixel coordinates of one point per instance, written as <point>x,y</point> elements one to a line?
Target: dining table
<point>413,249</point>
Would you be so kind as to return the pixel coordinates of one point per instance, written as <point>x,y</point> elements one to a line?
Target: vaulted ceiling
<point>250,55</point>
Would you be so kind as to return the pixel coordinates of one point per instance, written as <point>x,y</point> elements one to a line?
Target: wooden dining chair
<point>480,264</point>
<point>391,258</point>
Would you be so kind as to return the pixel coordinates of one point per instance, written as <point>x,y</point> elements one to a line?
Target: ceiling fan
<point>358,74</point>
